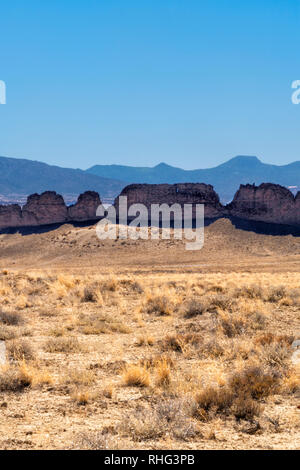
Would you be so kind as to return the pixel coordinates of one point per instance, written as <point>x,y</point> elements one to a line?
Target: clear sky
<point>188,82</point>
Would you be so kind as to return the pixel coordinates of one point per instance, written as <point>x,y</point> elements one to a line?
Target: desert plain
<point>141,344</point>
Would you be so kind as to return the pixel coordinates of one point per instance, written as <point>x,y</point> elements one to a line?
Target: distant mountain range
<point>20,177</point>
<point>226,178</point>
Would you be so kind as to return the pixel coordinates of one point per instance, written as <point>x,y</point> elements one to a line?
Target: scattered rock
<point>2,353</point>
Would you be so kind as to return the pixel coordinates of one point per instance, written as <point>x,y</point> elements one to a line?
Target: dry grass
<point>159,360</point>
<point>11,318</point>
<point>135,376</point>
<point>159,305</point>
<point>14,379</point>
<point>19,350</point>
<point>63,345</point>
<point>8,332</point>
<point>163,373</point>
<point>170,417</point>
<point>95,441</point>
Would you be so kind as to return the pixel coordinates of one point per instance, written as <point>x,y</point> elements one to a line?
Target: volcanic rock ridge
<point>268,202</point>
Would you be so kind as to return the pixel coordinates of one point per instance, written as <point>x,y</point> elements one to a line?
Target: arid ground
<point>143,345</point>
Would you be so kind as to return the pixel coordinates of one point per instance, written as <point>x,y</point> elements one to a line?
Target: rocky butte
<point>49,208</point>
<point>182,193</point>
<point>267,202</point>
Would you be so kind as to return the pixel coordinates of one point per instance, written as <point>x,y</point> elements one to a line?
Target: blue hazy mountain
<point>23,177</point>
<point>225,178</point>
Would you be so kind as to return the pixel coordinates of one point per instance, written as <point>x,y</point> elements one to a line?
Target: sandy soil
<point>107,332</point>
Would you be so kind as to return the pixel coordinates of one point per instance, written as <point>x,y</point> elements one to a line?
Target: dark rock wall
<point>270,203</point>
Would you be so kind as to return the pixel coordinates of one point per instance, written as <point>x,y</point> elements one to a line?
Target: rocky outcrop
<point>266,203</point>
<point>10,216</point>
<point>49,208</point>
<point>183,193</point>
<point>85,207</point>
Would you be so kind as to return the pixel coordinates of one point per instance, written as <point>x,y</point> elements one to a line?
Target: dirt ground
<point>145,345</point>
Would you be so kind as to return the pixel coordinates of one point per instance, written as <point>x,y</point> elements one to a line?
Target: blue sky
<point>188,82</point>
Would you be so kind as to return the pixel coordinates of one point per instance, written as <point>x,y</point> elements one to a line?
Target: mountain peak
<point>162,165</point>
<point>245,159</point>
<point>242,161</point>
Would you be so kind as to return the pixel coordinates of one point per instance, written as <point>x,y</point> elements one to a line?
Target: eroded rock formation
<point>85,207</point>
<point>267,203</point>
<point>183,193</point>
<point>49,208</point>
<point>10,216</point>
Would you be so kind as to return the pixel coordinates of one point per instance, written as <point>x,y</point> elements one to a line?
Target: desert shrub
<point>90,294</point>
<point>258,321</point>
<point>275,294</point>
<point>193,308</point>
<point>142,425</point>
<point>215,288</point>
<point>245,408</point>
<point>174,342</point>
<point>11,318</point>
<point>239,396</point>
<point>168,418</point>
<point>153,361</point>
<point>81,396</point>
<point>63,345</point>
<point>20,349</point>
<point>133,285</point>
<point>136,376</point>
<point>7,333</point>
<point>163,373</point>
<point>219,301</point>
<point>276,355</point>
<point>14,379</point>
<point>137,287</point>
<point>291,383</point>
<point>57,331</point>
<point>270,338</point>
<point>95,441</point>
<point>110,285</point>
<point>254,291</point>
<point>254,382</point>
<point>95,324</point>
<point>145,340</point>
<point>232,325</point>
<point>211,348</point>
<point>79,377</point>
<point>213,400</point>
<point>160,305</point>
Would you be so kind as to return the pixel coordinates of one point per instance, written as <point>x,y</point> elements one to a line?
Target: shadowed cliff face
<point>85,207</point>
<point>267,203</point>
<point>46,208</point>
<point>270,203</point>
<point>184,193</point>
<point>49,208</point>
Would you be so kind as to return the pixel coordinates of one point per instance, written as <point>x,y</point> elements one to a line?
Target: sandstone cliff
<point>183,193</point>
<point>10,216</point>
<point>85,207</point>
<point>267,203</point>
<point>49,208</point>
